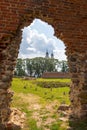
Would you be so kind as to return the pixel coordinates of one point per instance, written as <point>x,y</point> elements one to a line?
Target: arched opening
<point>40,35</point>
<point>36,40</point>
<point>69,20</point>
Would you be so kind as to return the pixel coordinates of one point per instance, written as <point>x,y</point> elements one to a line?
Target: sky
<point>39,38</point>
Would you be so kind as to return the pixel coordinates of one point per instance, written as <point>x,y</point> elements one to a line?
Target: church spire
<point>52,55</point>
<point>47,54</point>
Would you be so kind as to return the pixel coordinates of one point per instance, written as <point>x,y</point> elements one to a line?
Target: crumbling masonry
<point>69,19</point>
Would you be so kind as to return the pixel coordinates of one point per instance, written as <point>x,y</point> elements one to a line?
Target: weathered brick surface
<point>69,19</point>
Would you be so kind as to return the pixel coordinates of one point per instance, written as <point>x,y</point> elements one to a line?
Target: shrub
<point>52,84</point>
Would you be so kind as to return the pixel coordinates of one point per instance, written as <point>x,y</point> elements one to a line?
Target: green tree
<point>64,66</point>
<point>51,65</point>
<point>36,66</point>
<point>20,68</point>
<point>29,66</point>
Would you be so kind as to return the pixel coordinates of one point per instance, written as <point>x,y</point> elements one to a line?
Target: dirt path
<point>44,114</point>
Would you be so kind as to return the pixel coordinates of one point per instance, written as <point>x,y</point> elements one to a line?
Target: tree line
<point>37,66</point>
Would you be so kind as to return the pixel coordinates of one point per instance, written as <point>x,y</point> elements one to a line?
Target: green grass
<point>47,95</point>
<point>32,125</point>
<point>19,85</point>
<point>56,80</point>
<point>57,126</point>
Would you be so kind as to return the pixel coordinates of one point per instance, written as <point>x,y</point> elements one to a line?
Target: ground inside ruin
<point>46,115</point>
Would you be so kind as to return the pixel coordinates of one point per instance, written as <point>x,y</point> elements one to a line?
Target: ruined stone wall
<point>69,19</point>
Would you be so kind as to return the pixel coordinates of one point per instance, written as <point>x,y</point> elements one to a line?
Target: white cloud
<point>31,49</point>
<point>60,54</point>
<point>37,38</point>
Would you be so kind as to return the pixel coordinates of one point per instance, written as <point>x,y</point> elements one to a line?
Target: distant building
<point>55,75</point>
<point>47,54</point>
<point>52,55</point>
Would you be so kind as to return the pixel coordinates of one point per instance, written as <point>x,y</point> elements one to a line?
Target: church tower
<point>47,54</point>
<point>52,55</point>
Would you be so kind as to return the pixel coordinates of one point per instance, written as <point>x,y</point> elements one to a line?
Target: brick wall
<point>55,75</point>
<point>69,19</point>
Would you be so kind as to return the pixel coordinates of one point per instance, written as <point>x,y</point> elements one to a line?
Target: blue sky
<point>39,37</point>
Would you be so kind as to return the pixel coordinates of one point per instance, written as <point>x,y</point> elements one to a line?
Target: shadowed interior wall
<point>69,19</point>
